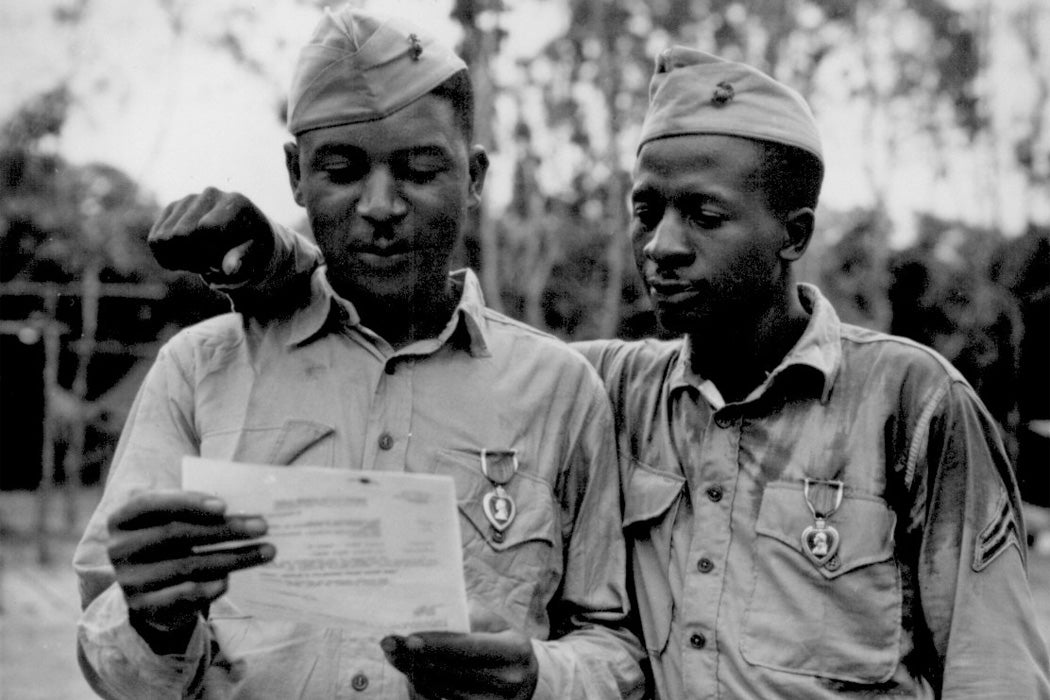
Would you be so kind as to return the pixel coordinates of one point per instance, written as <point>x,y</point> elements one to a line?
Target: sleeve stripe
<point>997,536</point>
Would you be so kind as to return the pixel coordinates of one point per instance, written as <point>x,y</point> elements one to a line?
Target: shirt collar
<point>328,311</point>
<point>819,347</point>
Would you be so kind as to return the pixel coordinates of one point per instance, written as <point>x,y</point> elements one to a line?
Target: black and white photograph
<point>524,349</point>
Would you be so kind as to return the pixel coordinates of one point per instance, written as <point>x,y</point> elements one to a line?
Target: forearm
<point>118,664</point>
<point>593,661</point>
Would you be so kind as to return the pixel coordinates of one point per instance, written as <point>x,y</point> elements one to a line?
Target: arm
<point>592,652</point>
<point>972,579</point>
<point>144,593</point>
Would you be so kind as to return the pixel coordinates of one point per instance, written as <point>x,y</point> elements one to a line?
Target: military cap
<point>359,67</point>
<point>692,92</point>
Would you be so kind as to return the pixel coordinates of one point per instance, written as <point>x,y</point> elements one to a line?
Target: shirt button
<point>697,641</point>
<point>705,565</point>
<point>715,493</point>
<point>359,682</point>
<point>386,441</point>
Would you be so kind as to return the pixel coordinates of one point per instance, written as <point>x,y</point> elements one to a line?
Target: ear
<point>798,225</point>
<point>291,161</point>
<point>479,166</point>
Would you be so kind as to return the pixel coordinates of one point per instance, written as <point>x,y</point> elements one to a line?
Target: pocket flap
<point>278,445</point>
<point>534,517</point>
<point>865,525</point>
<point>296,437</point>
<point>650,493</point>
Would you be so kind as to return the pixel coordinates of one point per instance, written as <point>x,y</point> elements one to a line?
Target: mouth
<point>383,260</point>
<point>664,291</point>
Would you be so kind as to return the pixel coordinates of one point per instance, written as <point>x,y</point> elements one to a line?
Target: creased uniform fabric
<point>317,388</point>
<point>927,595</point>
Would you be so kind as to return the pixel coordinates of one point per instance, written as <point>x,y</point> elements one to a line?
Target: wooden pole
<point>73,462</point>
<point>52,338</point>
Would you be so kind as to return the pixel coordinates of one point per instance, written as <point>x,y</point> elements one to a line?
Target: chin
<point>682,321</point>
<point>395,290</point>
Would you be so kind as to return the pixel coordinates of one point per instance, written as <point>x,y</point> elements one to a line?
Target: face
<point>705,241</point>
<point>386,199</point>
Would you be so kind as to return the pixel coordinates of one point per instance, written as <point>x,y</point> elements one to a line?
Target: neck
<point>744,351</point>
<point>401,322</point>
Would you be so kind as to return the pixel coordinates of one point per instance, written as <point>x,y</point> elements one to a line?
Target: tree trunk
<point>616,193</point>
<point>479,46</point>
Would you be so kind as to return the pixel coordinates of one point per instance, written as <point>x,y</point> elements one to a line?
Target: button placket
<point>390,425</point>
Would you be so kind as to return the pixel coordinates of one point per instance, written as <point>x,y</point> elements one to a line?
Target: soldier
<point>383,361</point>
<point>813,509</point>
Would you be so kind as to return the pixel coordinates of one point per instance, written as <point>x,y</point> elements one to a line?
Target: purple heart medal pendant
<point>820,541</point>
<point>499,467</point>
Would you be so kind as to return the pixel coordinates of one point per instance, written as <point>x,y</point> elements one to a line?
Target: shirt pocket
<point>296,441</point>
<point>840,621</point>
<point>651,504</point>
<point>519,568</point>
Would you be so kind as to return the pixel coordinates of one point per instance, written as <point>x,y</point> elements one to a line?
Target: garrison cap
<point>359,67</point>
<point>693,92</point>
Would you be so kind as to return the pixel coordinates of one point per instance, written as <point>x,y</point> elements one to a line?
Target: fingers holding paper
<point>462,666</point>
<point>167,552</point>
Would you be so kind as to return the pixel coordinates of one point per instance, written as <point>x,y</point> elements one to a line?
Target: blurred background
<point>934,222</point>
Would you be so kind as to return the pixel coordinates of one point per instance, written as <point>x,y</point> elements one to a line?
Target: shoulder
<point>865,350</point>
<point>517,345</point>
<point>619,361</point>
<point>212,337</point>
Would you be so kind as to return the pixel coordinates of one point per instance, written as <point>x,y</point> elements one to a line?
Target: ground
<point>38,602</point>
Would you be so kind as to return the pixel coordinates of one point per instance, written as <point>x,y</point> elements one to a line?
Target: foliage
<point>57,218</point>
<point>570,115</point>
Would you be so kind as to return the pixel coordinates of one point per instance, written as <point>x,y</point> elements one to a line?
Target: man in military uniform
<point>812,509</point>
<point>383,361</point>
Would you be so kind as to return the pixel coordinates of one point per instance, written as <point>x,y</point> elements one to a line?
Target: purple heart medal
<point>820,541</point>
<point>499,467</point>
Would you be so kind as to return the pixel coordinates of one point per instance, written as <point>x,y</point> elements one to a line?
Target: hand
<point>214,232</point>
<point>168,585</point>
<point>495,663</point>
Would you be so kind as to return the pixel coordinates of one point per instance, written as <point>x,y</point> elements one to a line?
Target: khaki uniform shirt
<point>927,594</point>
<point>318,388</point>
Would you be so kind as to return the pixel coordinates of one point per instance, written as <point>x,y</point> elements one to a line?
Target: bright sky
<point>179,115</point>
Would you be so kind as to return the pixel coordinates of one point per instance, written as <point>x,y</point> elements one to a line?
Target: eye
<point>645,213</point>
<point>704,218</point>
<point>422,168</point>
<point>340,168</point>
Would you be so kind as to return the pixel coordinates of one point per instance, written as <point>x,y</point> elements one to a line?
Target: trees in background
<point>936,109</point>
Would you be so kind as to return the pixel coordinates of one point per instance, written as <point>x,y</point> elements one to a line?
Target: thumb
<point>234,258</point>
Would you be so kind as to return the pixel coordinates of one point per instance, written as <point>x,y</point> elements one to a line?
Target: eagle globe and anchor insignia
<point>499,466</point>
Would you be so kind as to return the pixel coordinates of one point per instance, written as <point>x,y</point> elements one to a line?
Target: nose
<point>669,245</point>
<point>380,201</point>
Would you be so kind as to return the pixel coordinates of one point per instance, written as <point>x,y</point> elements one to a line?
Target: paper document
<point>378,552</point>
